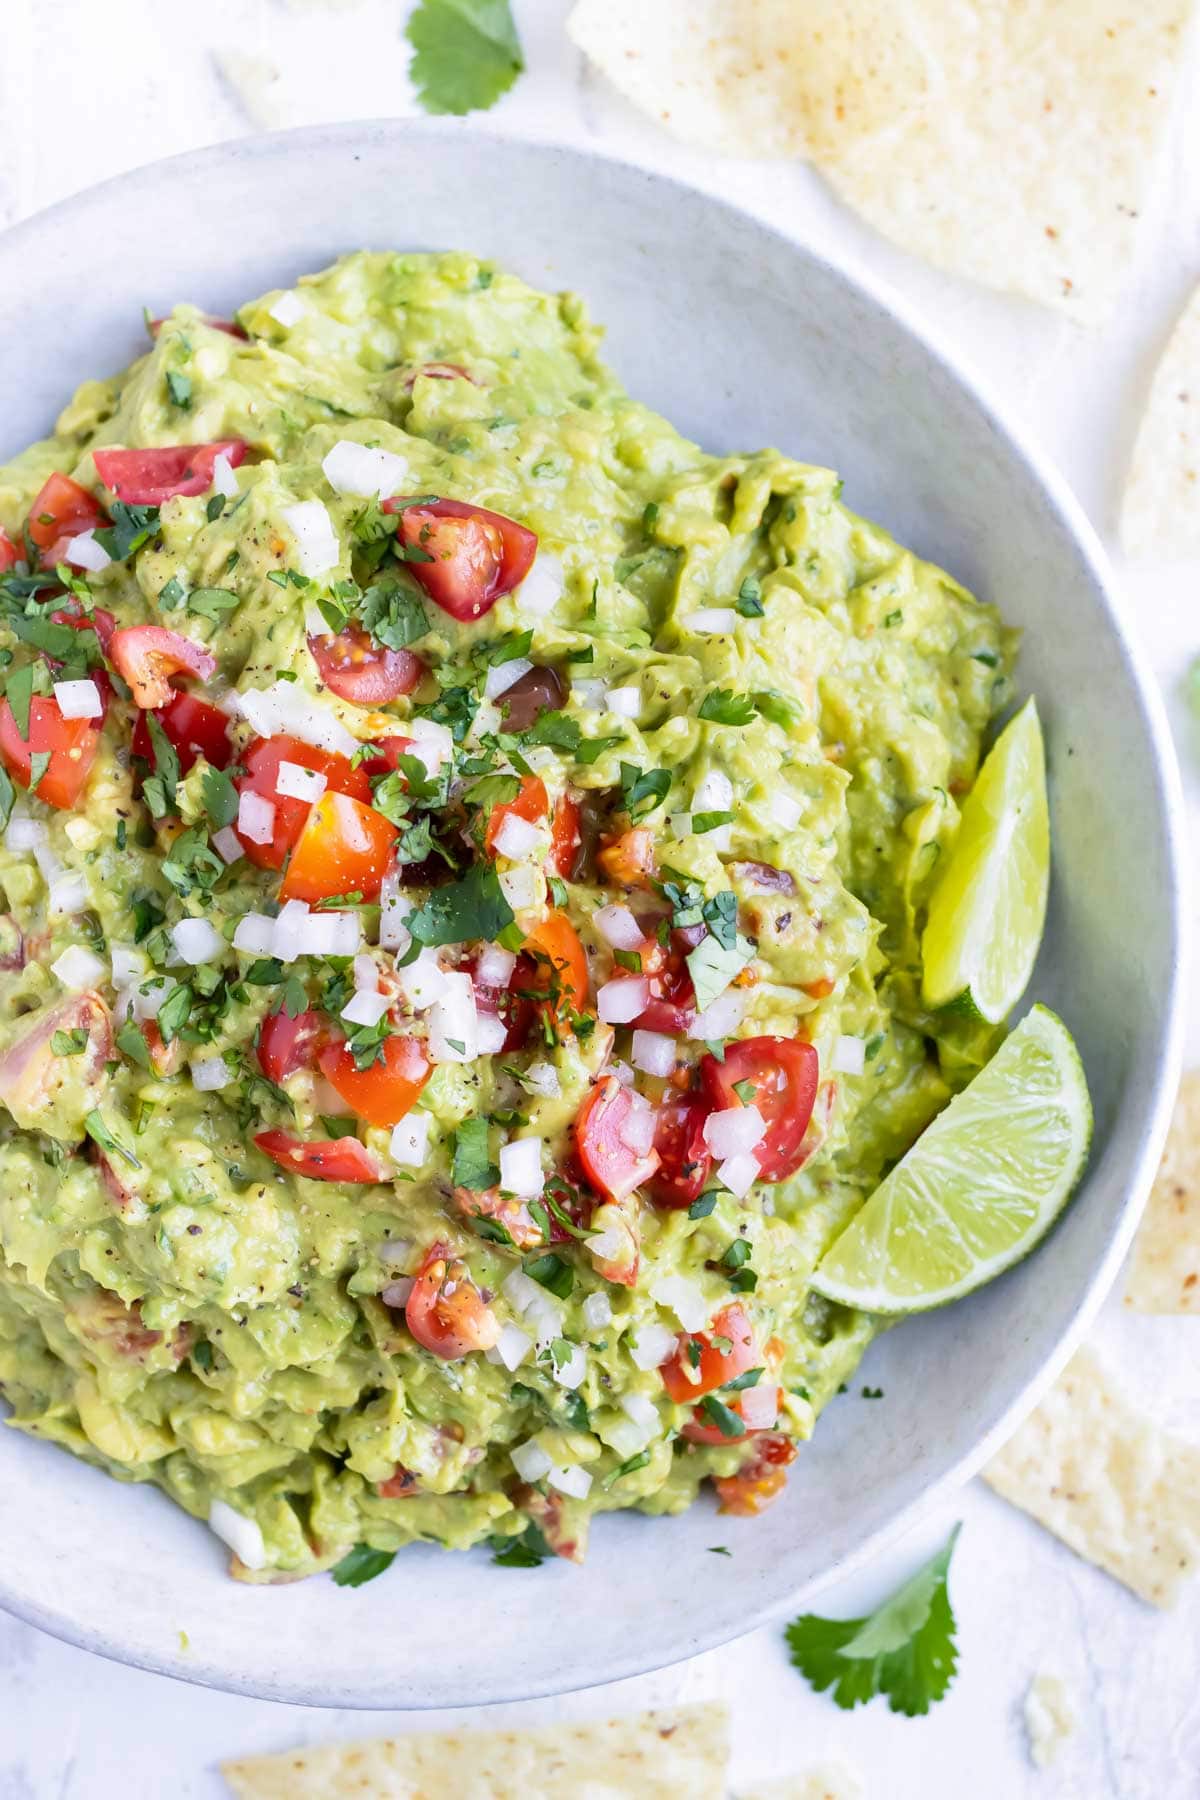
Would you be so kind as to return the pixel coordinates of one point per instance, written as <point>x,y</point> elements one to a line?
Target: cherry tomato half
<point>445,1312</point>
<point>261,762</point>
<point>152,477</point>
<point>608,1162</point>
<point>760,1480</point>
<point>70,744</point>
<point>566,838</point>
<point>9,556</point>
<point>383,1093</point>
<point>475,556</point>
<point>344,848</point>
<point>285,1045</point>
<point>195,727</point>
<point>560,965</point>
<point>99,620</point>
<point>705,1360</point>
<point>355,668</point>
<point>340,1159</point>
<point>146,655</point>
<point>784,1074</point>
<point>684,1159</point>
<point>60,511</point>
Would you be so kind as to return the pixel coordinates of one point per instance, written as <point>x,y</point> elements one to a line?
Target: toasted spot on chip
<point>1164,1266</point>
<point>1160,513</point>
<point>1012,144</point>
<point>824,1781</point>
<point>651,1756</point>
<point>1118,1489</point>
<point>1049,1720</point>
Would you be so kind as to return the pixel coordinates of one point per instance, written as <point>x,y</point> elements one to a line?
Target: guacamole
<point>464,858</point>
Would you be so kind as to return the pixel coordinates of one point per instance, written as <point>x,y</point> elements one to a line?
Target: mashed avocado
<point>464,861</point>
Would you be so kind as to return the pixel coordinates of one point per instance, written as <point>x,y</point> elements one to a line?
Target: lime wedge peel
<point>987,913</point>
<point>979,1188</point>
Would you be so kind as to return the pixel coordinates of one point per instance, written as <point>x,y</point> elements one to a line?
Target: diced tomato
<point>195,727</point>
<point>684,1159</point>
<point>439,372</point>
<point>531,805</point>
<point>759,1480</point>
<point>819,989</point>
<point>344,848</point>
<point>70,744</point>
<point>152,477</point>
<point>629,860</point>
<point>229,326</point>
<point>285,1045</point>
<point>401,1484</point>
<point>672,1003</point>
<point>756,1407</point>
<point>560,965</point>
<point>566,838</point>
<point>618,1224</point>
<point>475,556</point>
<point>608,1162</point>
<point>9,555</point>
<point>445,1312</point>
<point>60,511</point>
<point>386,754</point>
<point>99,620</point>
<point>165,1059</point>
<point>383,1093</point>
<point>340,1159</point>
<point>511,1004</point>
<point>146,655</point>
<point>784,1074</point>
<point>705,1360</point>
<point>355,668</point>
<point>261,762</point>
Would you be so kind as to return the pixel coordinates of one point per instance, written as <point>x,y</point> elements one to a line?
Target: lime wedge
<point>987,911</point>
<point>979,1188</point>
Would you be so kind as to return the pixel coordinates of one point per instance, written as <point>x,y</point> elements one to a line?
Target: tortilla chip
<point>1164,1267</point>
<point>1009,143</point>
<point>1160,513</point>
<point>1049,1720</point>
<point>650,1756</point>
<point>1117,1488</point>
<point>826,1781</point>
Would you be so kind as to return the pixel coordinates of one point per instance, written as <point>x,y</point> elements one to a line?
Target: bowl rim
<point>1162,1075</point>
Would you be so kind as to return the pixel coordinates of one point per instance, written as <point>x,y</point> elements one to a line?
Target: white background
<point>89,89</point>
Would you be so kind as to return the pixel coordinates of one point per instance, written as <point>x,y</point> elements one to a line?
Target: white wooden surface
<point>87,90</point>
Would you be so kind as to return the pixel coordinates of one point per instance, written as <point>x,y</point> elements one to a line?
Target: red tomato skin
<point>610,1166</point>
<point>146,655</point>
<point>355,668</point>
<point>261,762</point>
<point>786,1072</point>
<point>195,727</point>
<point>684,1382</point>
<point>560,965</point>
<point>387,753</point>
<point>8,551</point>
<point>340,1159</point>
<point>440,371</point>
<point>71,743</point>
<point>345,847</point>
<point>566,838</point>
<point>59,511</point>
<point>761,1478</point>
<point>531,804</point>
<point>285,1045</point>
<point>477,555</point>
<point>99,620</point>
<point>445,1311</point>
<point>684,1159</point>
<point>152,477</point>
<point>386,1091</point>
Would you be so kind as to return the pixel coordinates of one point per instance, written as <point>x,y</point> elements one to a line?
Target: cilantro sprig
<point>467,54</point>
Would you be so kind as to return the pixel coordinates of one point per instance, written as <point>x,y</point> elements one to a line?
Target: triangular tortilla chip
<point>1164,1270</point>
<point>1160,514</point>
<point>662,1755</point>
<point>1121,1491</point>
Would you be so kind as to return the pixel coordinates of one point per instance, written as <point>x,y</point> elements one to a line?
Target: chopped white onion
<point>542,588</point>
<point>642,1410</point>
<point>394,908</point>
<point>240,1533</point>
<point>223,478</point>
<point>197,940</point>
<point>784,811</point>
<point>681,824</point>
<point>518,839</point>
<point>618,927</point>
<point>501,676</point>
<point>521,1171</point>
<point>127,963</point>
<point>523,887</point>
<point>366,972</point>
<point>453,1028</point>
<point>491,1033</point>
<point>85,553</point>
<point>589,695</point>
<point>620,1001</point>
<point>317,547</point>
<point>849,1056</point>
<point>511,1348</point>
<point>362,471</point>
<point>622,1071</point>
<point>24,833</point>
<point>654,1052</point>
<point>734,1130</point>
<point>256,817</point>
<point>683,1298</point>
<point>287,308</point>
<point>738,1174</point>
<point>297,783</point>
<point>146,1000</point>
<point>394,1252</point>
<point>78,968</point>
<point>636,1130</point>
<point>715,794</point>
<point>597,1311</point>
<point>410,1140</point>
<point>423,980</point>
<point>542,1078</point>
<point>397,1292</point>
<point>255,934</point>
<point>759,1406</point>
<point>495,966</point>
<point>287,709</point>
<point>625,701</point>
<point>530,1460</point>
<point>432,744</point>
<point>228,845</point>
<point>570,1372</point>
<point>651,1345</point>
<point>571,1480</point>
<point>210,1073</point>
<point>521,1291</point>
<point>365,1008</point>
<point>712,621</point>
<point>722,1018</point>
<point>48,863</point>
<point>610,1245</point>
<point>78,699</point>
<point>68,895</point>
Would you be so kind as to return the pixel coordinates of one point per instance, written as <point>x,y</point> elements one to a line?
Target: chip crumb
<point>1160,517</point>
<point>1164,1267</point>
<point>1118,1489</point>
<point>1049,1719</point>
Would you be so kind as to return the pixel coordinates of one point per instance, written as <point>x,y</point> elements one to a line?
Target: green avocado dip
<point>464,858</point>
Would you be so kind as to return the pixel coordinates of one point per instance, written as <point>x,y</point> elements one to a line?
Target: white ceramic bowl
<point>741,337</point>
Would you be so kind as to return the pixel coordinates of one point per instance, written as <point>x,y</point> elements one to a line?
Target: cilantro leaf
<point>100,1134</point>
<point>712,966</point>
<point>643,790</point>
<point>393,615</point>
<point>39,762</point>
<point>724,707</point>
<point>220,797</point>
<point>474,907</point>
<point>212,602</point>
<point>905,1649</point>
<point>550,1271</point>
<point>473,1167</point>
<point>180,389</point>
<point>467,54</point>
<point>131,527</point>
<point>749,600</point>
<point>8,798</point>
<point>361,1564</point>
<point>528,1550</point>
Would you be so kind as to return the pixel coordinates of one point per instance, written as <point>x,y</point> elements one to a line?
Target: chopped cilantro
<point>69,1043</point>
<point>361,1564</point>
<point>132,1041</point>
<point>749,600</point>
<point>528,1550</point>
<point>467,53</point>
<point>180,389</point>
<point>39,762</point>
<point>703,1205</point>
<point>550,1271</point>
<point>473,1168</point>
<point>643,790</point>
<point>100,1134</point>
<point>724,707</point>
<point>212,602</point>
<point>629,1467</point>
<point>723,1417</point>
<point>131,527</point>
<point>712,967</point>
<point>474,907</point>
<point>709,821</point>
<point>220,798</point>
